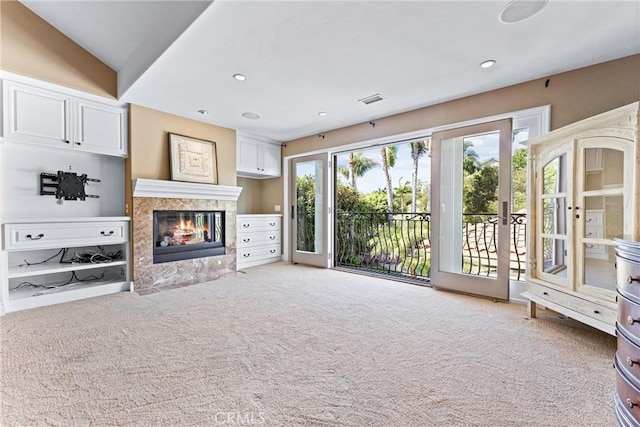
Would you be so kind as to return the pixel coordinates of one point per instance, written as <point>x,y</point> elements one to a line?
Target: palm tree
<point>418,149</point>
<point>388,156</point>
<point>359,164</point>
<point>470,157</point>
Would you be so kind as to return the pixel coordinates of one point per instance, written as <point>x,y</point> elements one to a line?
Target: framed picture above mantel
<point>193,159</point>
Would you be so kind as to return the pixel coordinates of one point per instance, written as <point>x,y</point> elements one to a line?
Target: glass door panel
<point>471,169</point>
<point>309,211</point>
<point>600,192</point>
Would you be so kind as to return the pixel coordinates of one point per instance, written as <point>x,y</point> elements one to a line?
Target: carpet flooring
<point>288,345</point>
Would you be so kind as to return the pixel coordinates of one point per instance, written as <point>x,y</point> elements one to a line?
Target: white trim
<point>538,120</point>
<point>183,190</point>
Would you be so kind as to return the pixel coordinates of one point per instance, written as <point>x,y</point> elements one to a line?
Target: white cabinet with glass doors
<point>575,209</point>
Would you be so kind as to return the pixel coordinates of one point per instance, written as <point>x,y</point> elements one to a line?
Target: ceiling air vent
<point>371,99</point>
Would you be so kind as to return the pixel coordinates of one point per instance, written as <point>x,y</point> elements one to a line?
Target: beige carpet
<point>287,345</point>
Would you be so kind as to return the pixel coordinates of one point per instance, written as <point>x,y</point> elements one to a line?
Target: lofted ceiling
<point>305,57</point>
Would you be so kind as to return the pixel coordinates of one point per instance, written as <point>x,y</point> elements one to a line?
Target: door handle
<point>505,213</point>
<point>293,212</point>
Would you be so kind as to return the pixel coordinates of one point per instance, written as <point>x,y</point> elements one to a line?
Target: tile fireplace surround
<point>150,195</point>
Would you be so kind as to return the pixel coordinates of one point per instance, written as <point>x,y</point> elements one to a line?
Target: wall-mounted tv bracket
<point>65,185</point>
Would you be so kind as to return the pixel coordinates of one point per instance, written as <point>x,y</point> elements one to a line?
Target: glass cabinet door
<point>602,190</point>
<point>553,251</point>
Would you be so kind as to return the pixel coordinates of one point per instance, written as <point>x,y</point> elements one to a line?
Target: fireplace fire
<point>180,235</point>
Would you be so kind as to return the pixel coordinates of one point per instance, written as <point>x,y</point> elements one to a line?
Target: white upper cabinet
<point>100,128</point>
<point>35,115</point>
<point>257,159</point>
<point>63,118</point>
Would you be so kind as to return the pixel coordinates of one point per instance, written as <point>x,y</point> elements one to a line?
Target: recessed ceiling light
<point>488,64</point>
<point>322,113</point>
<point>203,112</point>
<point>251,116</point>
<point>519,10</point>
<point>240,77</point>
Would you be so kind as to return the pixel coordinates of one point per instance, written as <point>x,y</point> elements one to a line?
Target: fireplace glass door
<point>180,235</point>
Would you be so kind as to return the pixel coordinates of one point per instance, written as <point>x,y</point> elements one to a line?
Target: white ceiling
<point>303,57</point>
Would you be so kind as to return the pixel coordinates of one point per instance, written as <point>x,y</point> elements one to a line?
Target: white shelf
<point>51,268</point>
<point>23,299</point>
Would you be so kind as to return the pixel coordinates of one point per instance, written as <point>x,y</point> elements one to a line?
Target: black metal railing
<point>400,243</point>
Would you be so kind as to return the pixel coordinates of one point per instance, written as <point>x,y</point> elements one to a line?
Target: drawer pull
<point>589,219</point>
<point>590,246</point>
<point>38,237</point>
<point>545,293</point>
<point>246,255</point>
<point>246,240</point>
<point>596,312</point>
<point>107,234</point>
<point>631,403</point>
<point>631,320</point>
<point>631,362</point>
<point>246,225</point>
<point>272,237</point>
<point>631,279</point>
<point>272,224</point>
<point>273,251</point>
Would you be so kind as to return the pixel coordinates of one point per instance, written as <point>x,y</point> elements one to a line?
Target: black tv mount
<point>65,185</point>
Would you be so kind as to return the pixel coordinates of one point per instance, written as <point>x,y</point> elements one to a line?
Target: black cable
<point>63,251</point>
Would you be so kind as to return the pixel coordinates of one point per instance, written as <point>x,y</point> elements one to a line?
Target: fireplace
<point>181,235</point>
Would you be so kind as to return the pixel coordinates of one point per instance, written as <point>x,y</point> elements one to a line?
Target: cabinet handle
<point>246,240</point>
<point>589,246</point>
<point>273,251</point>
<point>272,237</point>
<point>545,293</point>
<point>246,225</point>
<point>631,362</point>
<point>272,224</point>
<point>630,279</point>
<point>631,403</point>
<point>631,320</point>
<point>78,143</point>
<point>596,312</point>
<point>246,255</point>
<point>588,219</point>
<point>67,141</point>
<point>38,237</point>
<point>107,234</point>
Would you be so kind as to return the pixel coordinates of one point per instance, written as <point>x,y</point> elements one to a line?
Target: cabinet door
<point>100,128</point>
<point>271,159</point>
<point>603,210</point>
<point>247,156</point>
<point>552,219</point>
<point>36,116</point>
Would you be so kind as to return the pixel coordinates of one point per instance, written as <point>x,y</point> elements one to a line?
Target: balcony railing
<point>400,244</point>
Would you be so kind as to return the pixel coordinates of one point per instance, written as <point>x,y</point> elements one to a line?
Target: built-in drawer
<point>64,234</point>
<point>593,219</point>
<point>250,254</point>
<point>258,223</point>
<point>628,278</point>
<point>258,239</point>
<point>573,302</point>
<point>627,395</point>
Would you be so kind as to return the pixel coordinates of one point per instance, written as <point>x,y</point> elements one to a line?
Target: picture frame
<point>193,159</point>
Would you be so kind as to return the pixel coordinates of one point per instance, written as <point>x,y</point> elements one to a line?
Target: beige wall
<point>250,200</point>
<point>149,144</point>
<point>573,96</point>
<point>31,47</point>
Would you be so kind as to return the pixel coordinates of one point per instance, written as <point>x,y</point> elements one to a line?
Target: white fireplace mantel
<point>183,190</point>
